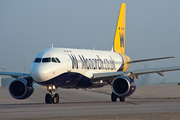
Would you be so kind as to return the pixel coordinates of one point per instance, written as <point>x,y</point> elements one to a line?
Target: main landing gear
<point>51,97</point>
<point>114,98</point>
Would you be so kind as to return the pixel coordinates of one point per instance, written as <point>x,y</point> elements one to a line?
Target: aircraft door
<point>68,61</point>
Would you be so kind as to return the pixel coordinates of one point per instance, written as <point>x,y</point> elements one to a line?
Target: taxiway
<point>84,102</point>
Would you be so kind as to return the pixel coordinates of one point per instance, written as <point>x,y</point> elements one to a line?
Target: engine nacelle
<point>21,88</point>
<point>123,86</point>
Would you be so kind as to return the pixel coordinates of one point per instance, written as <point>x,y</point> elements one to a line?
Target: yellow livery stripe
<point>126,59</point>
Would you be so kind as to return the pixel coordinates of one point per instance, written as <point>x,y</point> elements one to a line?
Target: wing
<point>15,74</point>
<point>111,75</point>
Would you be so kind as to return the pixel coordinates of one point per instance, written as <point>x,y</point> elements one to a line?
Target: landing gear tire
<point>48,98</point>
<point>52,97</point>
<point>122,99</point>
<point>56,99</point>
<point>113,97</point>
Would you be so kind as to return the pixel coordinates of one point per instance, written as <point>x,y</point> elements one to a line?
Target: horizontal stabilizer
<point>143,60</point>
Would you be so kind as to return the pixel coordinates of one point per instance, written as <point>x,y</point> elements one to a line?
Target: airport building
<point>5,80</point>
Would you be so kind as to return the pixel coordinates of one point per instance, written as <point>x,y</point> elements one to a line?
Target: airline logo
<point>92,63</point>
<point>121,40</point>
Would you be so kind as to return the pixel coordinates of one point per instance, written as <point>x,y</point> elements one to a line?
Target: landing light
<point>49,87</point>
<point>101,81</point>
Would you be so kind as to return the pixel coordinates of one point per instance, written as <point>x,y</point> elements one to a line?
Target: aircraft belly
<point>69,80</point>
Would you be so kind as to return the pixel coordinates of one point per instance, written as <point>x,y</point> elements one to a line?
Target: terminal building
<point>5,80</point>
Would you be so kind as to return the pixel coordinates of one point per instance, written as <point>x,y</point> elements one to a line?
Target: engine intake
<point>21,88</point>
<point>123,86</point>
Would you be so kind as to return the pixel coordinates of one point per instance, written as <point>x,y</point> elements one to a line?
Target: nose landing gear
<point>51,97</point>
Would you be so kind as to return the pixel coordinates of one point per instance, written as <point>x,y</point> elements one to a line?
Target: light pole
<point>24,63</point>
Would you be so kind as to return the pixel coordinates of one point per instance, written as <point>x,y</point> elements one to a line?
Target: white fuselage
<point>84,62</point>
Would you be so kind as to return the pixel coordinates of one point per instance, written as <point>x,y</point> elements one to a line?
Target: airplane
<point>81,68</point>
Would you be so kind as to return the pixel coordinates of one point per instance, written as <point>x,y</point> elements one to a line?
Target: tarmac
<point>146,99</point>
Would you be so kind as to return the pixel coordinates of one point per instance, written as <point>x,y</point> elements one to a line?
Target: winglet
<point>119,38</point>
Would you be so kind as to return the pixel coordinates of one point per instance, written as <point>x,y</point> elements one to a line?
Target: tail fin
<point>119,38</point>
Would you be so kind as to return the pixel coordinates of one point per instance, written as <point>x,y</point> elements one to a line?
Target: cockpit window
<point>46,60</point>
<point>49,59</point>
<point>37,60</point>
<point>58,60</point>
<point>53,60</point>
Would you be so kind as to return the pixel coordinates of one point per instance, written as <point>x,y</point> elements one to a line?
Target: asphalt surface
<point>84,102</point>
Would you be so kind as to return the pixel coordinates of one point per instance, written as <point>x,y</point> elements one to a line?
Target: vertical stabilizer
<point>119,38</point>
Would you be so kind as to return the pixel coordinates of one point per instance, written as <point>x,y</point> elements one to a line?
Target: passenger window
<point>53,60</point>
<point>58,60</point>
<point>46,60</point>
<point>37,60</point>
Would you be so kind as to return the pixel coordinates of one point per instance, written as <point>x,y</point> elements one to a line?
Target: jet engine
<point>123,86</point>
<point>21,88</point>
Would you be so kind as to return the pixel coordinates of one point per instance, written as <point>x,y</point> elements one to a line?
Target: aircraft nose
<point>38,73</point>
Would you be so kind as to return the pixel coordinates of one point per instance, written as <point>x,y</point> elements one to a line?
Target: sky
<point>152,30</point>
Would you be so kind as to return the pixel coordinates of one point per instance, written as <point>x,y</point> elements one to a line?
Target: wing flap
<point>161,73</point>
